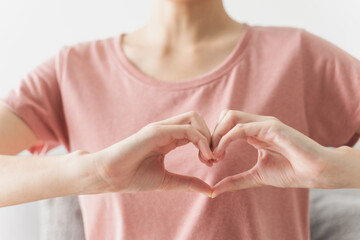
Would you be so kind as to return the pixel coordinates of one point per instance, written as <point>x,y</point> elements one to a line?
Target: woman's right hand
<point>136,163</point>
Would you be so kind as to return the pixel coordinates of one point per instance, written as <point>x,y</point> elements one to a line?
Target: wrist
<point>84,167</point>
<point>345,162</point>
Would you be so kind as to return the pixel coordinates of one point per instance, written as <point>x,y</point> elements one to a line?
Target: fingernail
<point>210,194</point>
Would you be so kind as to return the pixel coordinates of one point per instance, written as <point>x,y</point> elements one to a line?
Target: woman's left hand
<point>286,157</point>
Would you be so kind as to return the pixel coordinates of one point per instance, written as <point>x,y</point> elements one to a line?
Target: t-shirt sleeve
<point>331,79</point>
<point>37,101</point>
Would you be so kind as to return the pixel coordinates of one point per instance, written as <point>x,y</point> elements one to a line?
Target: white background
<point>31,31</point>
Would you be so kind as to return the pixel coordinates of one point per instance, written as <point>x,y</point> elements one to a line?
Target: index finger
<point>228,120</point>
<point>191,117</point>
<point>163,135</point>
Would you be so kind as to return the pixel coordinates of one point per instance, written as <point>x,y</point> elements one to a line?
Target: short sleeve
<point>37,101</point>
<point>331,79</point>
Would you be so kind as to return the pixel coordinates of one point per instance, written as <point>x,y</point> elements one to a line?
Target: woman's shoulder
<point>275,31</point>
<point>276,41</point>
<point>298,38</point>
<point>288,33</point>
<point>98,48</point>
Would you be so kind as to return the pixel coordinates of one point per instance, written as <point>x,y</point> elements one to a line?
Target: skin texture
<point>286,157</point>
<point>137,163</point>
<point>15,135</point>
<point>201,32</point>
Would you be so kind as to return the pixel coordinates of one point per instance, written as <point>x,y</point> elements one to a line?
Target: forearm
<point>355,154</point>
<point>30,178</point>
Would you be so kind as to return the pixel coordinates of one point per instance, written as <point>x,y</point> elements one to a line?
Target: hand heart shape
<point>286,157</point>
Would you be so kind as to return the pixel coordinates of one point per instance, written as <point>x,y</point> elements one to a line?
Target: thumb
<point>177,182</point>
<point>239,181</point>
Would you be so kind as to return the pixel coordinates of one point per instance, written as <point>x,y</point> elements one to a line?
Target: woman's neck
<point>185,22</point>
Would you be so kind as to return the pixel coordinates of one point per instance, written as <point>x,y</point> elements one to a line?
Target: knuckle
<point>273,118</point>
<point>150,125</point>
<point>189,130</point>
<point>232,115</point>
<point>154,129</point>
<point>344,149</point>
<point>225,110</point>
<point>276,124</point>
<point>231,112</point>
<point>80,152</point>
<point>194,114</point>
<point>274,130</point>
<point>239,128</point>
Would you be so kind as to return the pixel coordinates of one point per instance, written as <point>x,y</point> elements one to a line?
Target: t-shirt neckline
<point>235,55</point>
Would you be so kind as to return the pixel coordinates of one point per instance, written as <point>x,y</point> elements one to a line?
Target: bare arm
<point>15,135</point>
<point>122,167</point>
<point>30,178</point>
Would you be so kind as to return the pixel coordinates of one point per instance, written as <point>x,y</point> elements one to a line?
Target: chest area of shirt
<point>117,108</point>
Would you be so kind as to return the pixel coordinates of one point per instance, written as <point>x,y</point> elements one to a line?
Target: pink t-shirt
<point>89,96</point>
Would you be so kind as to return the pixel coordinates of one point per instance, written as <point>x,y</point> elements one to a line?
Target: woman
<point>122,105</point>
